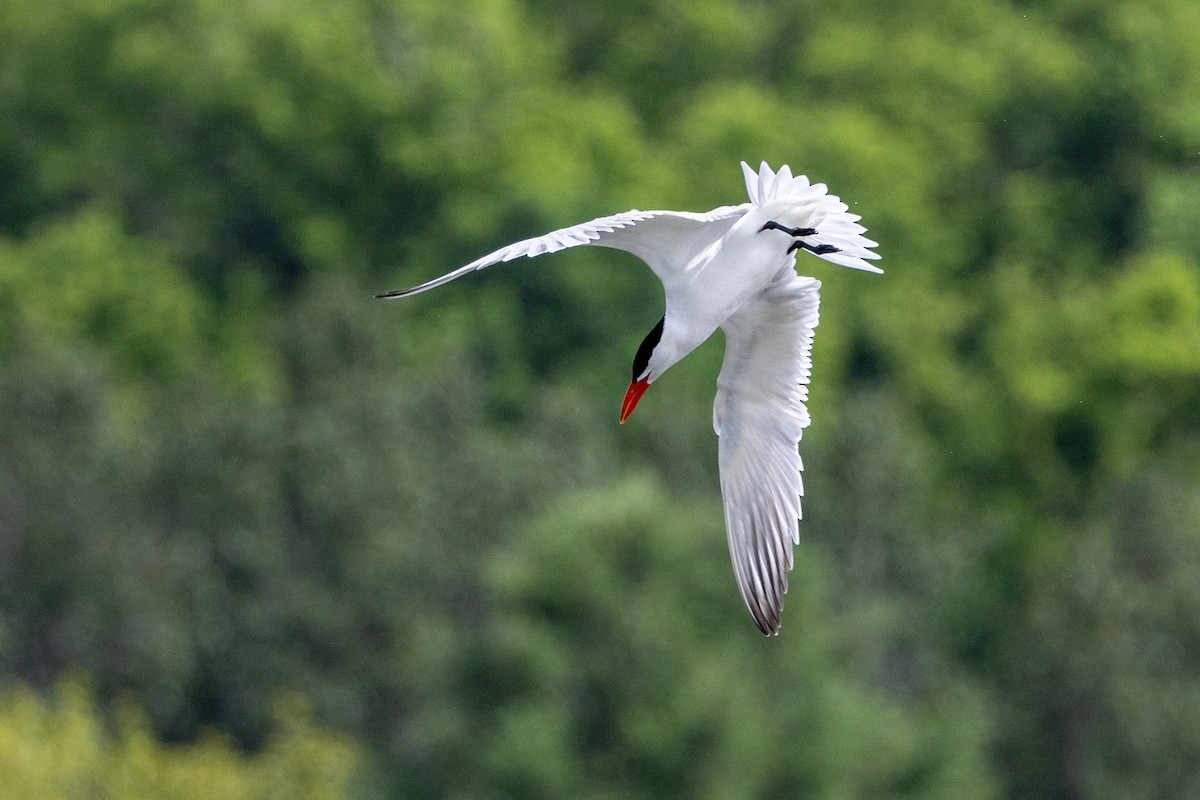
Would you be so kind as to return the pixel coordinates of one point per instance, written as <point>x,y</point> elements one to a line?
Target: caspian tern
<point>734,268</point>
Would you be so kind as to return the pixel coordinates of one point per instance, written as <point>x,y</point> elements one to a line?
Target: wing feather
<point>665,240</point>
<point>759,415</point>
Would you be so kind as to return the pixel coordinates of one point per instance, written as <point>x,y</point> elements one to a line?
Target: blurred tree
<point>613,666</point>
<point>67,747</point>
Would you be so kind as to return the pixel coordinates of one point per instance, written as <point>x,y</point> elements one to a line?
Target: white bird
<point>734,268</point>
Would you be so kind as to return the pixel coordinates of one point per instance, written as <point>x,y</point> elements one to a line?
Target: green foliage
<point>615,667</point>
<point>67,747</point>
<point>83,280</point>
<point>225,471</point>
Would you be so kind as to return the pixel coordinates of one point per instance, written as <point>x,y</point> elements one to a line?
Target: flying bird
<point>733,268</point>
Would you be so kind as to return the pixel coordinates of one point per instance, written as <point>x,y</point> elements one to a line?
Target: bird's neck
<point>678,339</point>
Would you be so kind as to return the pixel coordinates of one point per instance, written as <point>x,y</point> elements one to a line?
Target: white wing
<point>665,240</point>
<point>759,415</point>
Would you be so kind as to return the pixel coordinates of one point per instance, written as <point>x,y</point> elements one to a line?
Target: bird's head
<point>642,372</point>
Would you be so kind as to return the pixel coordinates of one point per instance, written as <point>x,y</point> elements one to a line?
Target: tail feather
<point>827,213</point>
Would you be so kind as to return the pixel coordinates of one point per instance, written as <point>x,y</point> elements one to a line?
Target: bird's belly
<point>723,286</point>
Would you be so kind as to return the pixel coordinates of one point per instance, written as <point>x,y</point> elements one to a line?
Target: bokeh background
<point>262,535</point>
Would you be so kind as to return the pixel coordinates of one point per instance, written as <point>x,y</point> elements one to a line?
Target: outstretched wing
<point>759,415</point>
<point>665,240</point>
